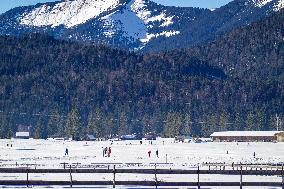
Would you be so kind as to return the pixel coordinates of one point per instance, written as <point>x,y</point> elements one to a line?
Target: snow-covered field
<point>128,154</point>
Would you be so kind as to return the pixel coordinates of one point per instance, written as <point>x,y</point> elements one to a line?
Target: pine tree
<point>251,121</point>
<point>109,126</point>
<point>73,124</point>
<point>55,124</point>
<point>147,125</point>
<point>98,125</point>
<point>187,125</point>
<point>173,125</point>
<point>224,121</point>
<point>239,123</point>
<point>96,122</point>
<point>123,126</point>
<point>5,127</point>
<point>40,130</point>
<point>260,120</point>
<point>91,124</point>
<point>210,124</point>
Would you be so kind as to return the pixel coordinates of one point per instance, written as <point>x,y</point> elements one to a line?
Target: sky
<point>5,5</point>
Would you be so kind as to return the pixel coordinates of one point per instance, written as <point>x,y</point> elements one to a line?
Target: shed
<point>23,135</point>
<point>150,136</point>
<point>248,136</point>
<point>90,137</point>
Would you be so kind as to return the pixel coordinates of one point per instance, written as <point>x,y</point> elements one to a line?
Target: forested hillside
<point>65,88</point>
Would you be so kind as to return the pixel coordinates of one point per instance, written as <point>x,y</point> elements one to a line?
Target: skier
<point>66,152</point>
<point>157,153</point>
<point>105,151</point>
<point>109,151</point>
<point>149,153</point>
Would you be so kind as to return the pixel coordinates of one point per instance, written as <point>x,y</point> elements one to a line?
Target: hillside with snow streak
<point>67,13</point>
<point>134,24</point>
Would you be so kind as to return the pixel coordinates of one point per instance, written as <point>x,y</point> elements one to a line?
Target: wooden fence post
<point>71,181</point>
<point>166,158</point>
<point>156,179</point>
<point>113,183</point>
<point>27,177</point>
<point>282,172</point>
<point>241,180</point>
<point>198,177</point>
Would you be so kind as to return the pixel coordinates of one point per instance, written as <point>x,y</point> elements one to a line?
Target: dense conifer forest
<point>63,88</point>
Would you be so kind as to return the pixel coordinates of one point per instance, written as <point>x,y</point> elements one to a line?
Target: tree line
<point>104,125</point>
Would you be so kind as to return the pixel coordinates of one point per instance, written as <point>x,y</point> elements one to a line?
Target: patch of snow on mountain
<point>140,8</point>
<point>135,20</point>
<point>164,33</point>
<point>279,5</point>
<point>67,13</point>
<point>261,3</point>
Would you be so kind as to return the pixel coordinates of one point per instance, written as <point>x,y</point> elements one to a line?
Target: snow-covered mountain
<point>134,24</point>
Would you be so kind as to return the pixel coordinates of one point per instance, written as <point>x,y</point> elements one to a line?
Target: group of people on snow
<point>157,153</point>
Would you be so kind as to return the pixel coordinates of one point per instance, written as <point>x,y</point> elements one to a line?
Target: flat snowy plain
<point>128,154</point>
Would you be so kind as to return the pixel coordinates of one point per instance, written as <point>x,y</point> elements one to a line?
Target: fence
<point>241,171</point>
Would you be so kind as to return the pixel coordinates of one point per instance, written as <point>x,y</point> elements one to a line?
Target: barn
<point>249,136</point>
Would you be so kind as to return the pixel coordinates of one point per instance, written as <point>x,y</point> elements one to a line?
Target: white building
<point>23,135</point>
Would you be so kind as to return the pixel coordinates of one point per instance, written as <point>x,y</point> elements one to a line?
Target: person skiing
<point>66,152</point>
<point>109,151</point>
<point>149,153</point>
<point>105,151</point>
<point>157,153</point>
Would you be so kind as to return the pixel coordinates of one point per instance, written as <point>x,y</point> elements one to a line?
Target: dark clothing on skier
<point>66,151</point>
<point>109,151</point>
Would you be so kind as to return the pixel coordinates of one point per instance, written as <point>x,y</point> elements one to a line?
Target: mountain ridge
<point>140,25</point>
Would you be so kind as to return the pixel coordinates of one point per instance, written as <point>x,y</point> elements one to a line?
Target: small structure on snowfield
<point>248,136</point>
<point>133,136</point>
<point>90,137</point>
<point>22,135</point>
<point>150,136</point>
